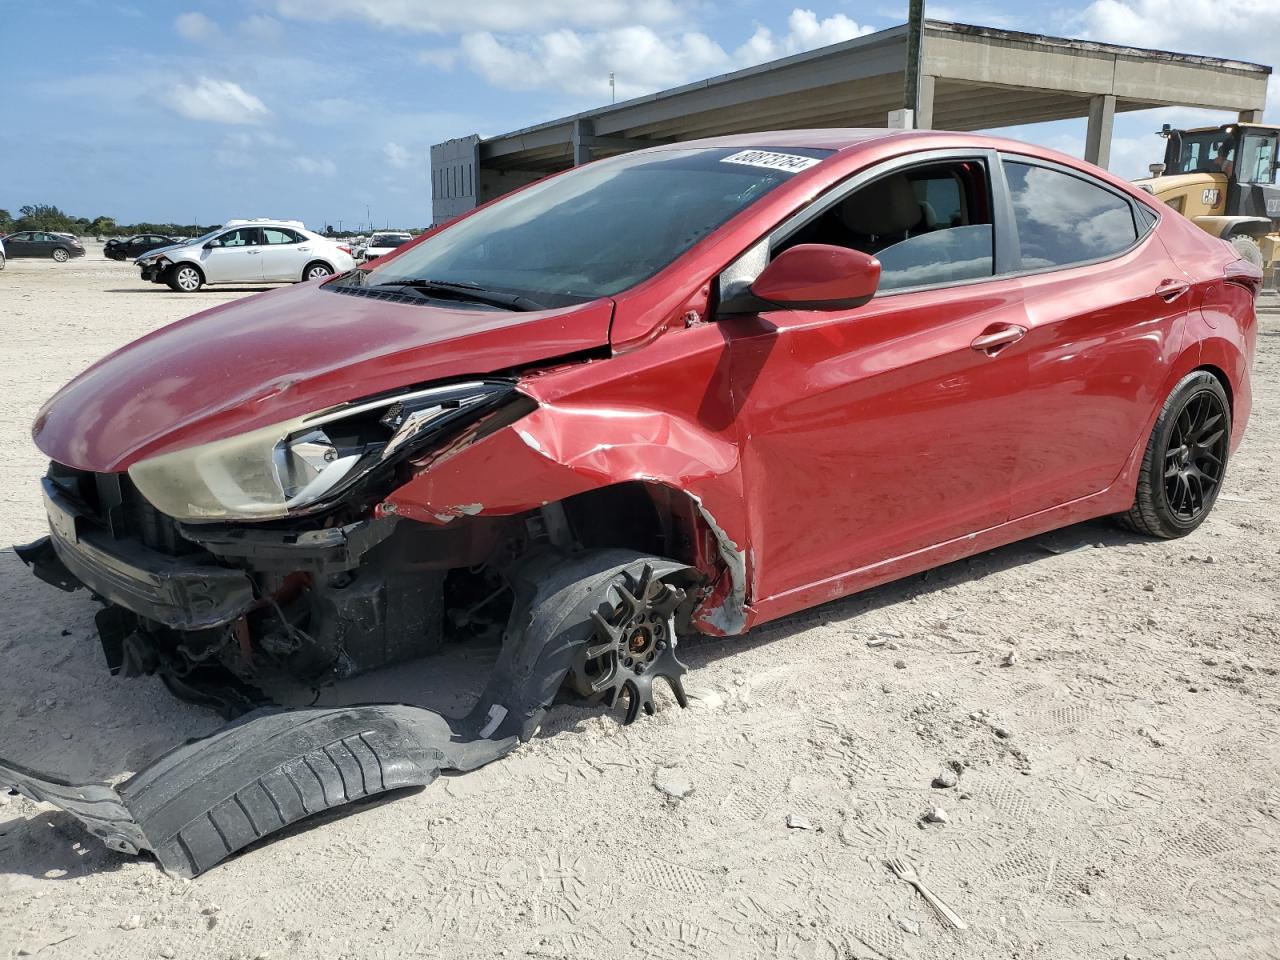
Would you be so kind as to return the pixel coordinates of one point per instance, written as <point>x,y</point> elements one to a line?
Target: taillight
<point>1245,274</point>
<point>345,249</point>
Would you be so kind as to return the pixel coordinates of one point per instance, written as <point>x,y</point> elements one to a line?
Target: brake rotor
<point>633,643</point>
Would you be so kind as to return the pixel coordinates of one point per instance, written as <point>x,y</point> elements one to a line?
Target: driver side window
<point>927,225</point>
<point>243,237</point>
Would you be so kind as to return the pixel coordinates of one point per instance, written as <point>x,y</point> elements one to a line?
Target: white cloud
<point>399,157</point>
<point>248,148</point>
<point>216,101</point>
<point>1235,30</point>
<point>441,58</point>
<point>642,59</point>
<point>505,15</point>
<point>195,26</point>
<point>804,32</point>
<point>580,63</point>
<point>263,28</point>
<point>1238,29</point>
<point>313,167</point>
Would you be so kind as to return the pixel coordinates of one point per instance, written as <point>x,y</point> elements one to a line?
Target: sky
<point>325,110</point>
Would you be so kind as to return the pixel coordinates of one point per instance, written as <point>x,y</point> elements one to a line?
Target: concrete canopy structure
<point>970,78</point>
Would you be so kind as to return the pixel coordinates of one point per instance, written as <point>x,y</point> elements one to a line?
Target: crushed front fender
<point>210,798</point>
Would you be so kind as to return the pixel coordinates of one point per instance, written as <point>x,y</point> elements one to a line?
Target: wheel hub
<point>632,643</point>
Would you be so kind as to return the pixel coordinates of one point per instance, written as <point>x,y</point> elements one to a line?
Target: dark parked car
<point>690,389</point>
<point>135,247</point>
<point>38,243</point>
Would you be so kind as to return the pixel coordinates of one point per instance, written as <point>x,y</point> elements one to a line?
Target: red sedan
<point>689,389</point>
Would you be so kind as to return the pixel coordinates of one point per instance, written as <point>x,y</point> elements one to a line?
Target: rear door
<point>1105,307</point>
<point>234,257</point>
<point>284,253</point>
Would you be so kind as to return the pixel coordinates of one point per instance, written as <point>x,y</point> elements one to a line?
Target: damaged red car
<point>688,389</point>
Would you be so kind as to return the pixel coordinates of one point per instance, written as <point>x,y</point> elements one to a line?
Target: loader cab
<point>1240,158</point>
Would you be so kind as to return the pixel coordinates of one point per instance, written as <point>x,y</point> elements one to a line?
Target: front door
<point>871,433</point>
<point>234,257</point>
<point>20,245</point>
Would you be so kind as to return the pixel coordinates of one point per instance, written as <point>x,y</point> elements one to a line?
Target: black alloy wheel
<point>1195,457</point>
<point>1185,460</point>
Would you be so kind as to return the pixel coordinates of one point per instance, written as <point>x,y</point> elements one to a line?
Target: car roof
<point>848,139</point>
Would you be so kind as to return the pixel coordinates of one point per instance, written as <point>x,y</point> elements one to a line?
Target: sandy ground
<point>1119,793</point>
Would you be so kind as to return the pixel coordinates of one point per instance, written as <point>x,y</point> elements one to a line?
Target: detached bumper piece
<point>203,802</point>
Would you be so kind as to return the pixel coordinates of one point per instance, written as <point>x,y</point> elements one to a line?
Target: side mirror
<point>818,276</point>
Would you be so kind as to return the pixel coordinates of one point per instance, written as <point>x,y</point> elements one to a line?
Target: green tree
<point>40,216</point>
<point>6,221</point>
<point>103,226</point>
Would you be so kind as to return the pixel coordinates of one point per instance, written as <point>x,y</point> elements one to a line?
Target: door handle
<point>992,343</point>
<point>1170,290</point>
<point>253,253</point>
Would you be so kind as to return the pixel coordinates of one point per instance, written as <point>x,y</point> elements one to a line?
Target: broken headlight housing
<point>289,467</point>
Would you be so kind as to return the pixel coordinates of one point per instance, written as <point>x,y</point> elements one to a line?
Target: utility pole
<point>613,90</point>
<point>915,37</point>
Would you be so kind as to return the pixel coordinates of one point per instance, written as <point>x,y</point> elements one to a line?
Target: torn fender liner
<point>204,801</point>
<point>208,799</point>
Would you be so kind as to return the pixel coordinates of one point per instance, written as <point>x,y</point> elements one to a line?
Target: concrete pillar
<point>1250,116</point>
<point>924,112</point>
<point>901,120</point>
<point>582,129</point>
<point>1097,140</point>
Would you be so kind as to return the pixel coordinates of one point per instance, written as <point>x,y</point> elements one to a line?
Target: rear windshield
<point>389,239</point>
<point>600,229</point>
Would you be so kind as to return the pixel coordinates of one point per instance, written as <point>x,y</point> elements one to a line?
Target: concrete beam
<point>1097,138</point>
<point>1250,116</point>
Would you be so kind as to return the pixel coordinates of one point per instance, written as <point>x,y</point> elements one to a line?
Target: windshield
<point>601,229</point>
<point>390,240</point>
<point>205,239</point>
<point>1210,151</point>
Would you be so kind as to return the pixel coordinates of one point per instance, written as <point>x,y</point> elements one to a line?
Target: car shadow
<point>61,712</point>
<point>160,288</point>
<point>1093,534</point>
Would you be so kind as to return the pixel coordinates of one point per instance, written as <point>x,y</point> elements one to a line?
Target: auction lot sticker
<point>786,162</point>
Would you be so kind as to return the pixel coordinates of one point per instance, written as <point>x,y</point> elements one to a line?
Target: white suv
<point>246,251</point>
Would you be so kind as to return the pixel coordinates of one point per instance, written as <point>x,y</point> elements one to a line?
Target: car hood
<point>284,354</point>
<point>156,251</point>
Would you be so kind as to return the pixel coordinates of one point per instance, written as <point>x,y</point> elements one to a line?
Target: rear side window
<point>280,235</point>
<point>1063,219</point>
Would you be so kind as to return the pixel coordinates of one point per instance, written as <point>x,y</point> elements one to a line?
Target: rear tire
<point>60,255</point>
<point>1185,460</point>
<point>316,270</point>
<point>1248,249</point>
<point>185,278</point>
<point>1,261</point>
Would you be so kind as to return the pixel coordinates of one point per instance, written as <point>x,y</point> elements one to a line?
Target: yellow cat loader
<point>1224,180</point>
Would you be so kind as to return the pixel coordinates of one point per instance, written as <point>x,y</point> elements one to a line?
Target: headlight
<point>288,467</point>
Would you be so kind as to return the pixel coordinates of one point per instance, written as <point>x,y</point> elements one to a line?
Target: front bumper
<point>180,593</point>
